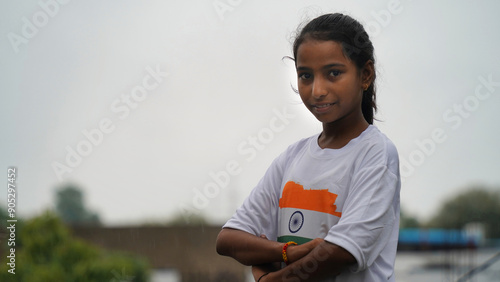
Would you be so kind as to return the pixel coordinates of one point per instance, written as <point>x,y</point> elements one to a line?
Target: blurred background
<point>121,115</point>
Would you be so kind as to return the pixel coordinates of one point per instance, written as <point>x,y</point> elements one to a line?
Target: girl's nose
<point>319,88</point>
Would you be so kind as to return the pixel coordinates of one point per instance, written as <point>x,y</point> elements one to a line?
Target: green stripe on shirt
<point>296,239</point>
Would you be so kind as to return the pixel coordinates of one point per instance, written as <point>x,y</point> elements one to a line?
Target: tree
<point>477,204</point>
<point>48,253</point>
<point>408,221</point>
<point>71,207</point>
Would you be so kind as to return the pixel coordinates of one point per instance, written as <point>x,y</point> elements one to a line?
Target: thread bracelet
<point>283,253</point>
<point>263,276</point>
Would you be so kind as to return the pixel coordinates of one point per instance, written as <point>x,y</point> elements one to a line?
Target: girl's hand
<point>261,269</point>
<point>296,252</point>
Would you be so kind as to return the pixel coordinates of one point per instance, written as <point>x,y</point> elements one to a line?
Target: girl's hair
<point>356,46</point>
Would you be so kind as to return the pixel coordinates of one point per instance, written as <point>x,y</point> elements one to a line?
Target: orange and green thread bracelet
<point>283,253</point>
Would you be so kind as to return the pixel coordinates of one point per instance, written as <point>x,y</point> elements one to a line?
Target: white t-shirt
<point>348,196</point>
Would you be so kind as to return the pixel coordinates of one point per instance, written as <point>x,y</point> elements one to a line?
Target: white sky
<point>226,80</point>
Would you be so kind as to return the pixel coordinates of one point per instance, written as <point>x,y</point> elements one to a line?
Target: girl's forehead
<point>313,51</point>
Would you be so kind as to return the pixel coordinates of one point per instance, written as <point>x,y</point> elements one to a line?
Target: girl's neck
<point>337,134</point>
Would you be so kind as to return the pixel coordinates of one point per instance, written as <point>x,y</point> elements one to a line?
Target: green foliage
<point>42,237</point>
<point>71,208</point>
<point>408,221</point>
<point>111,268</point>
<point>475,205</point>
<point>3,216</point>
<point>37,272</point>
<point>49,253</point>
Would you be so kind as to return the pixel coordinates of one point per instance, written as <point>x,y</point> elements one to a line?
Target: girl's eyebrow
<point>324,67</point>
<point>333,65</point>
<point>303,68</point>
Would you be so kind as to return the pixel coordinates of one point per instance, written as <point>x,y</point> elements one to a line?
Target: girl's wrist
<point>284,252</point>
<point>261,278</point>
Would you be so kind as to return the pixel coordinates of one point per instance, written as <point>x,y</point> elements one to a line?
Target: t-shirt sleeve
<point>259,212</point>
<point>370,213</point>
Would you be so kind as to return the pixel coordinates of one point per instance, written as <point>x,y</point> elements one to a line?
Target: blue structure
<point>434,239</point>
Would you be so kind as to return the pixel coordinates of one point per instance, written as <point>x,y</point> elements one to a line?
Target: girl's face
<point>329,83</point>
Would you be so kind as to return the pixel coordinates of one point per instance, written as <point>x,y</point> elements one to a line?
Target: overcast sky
<point>156,108</point>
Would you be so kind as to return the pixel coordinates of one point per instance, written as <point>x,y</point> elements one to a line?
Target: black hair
<point>356,46</point>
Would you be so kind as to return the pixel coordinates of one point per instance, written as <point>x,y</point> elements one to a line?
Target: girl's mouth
<point>321,108</point>
<point>323,105</point>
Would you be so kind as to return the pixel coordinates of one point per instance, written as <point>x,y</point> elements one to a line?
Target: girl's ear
<point>367,74</point>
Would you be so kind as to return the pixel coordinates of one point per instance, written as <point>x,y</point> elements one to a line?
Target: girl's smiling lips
<point>322,107</point>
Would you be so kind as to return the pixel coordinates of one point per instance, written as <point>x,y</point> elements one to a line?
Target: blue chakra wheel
<point>296,222</point>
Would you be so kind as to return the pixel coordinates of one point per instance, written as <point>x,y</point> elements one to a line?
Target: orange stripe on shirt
<point>295,196</point>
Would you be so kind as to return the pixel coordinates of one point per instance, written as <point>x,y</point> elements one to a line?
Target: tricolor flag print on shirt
<point>305,214</point>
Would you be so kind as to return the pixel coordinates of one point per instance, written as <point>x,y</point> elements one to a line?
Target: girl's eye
<point>304,75</point>
<point>334,73</point>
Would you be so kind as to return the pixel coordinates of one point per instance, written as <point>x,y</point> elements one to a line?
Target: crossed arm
<point>313,260</point>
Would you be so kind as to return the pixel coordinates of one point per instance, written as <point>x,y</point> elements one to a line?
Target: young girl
<point>327,208</point>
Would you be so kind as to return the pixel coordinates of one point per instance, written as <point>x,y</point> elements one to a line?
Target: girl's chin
<point>324,119</point>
